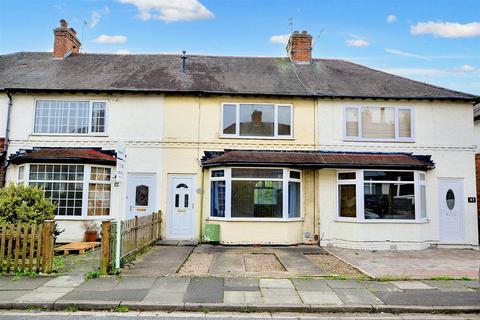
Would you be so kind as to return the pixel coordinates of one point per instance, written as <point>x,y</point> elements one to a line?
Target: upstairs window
<point>378,123</point>
<point>254,120</point>
<point>69,117</point>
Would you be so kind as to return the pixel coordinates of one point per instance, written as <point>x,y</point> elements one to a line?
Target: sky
<point>434,41</point>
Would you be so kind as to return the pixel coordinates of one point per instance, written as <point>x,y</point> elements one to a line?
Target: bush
<point>24,204</point>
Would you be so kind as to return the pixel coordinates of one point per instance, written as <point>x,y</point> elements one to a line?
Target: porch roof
<point>64,155</point>
<point>317,159</point>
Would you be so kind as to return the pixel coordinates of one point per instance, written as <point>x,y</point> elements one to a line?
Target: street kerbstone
<point>344,284</point>
<point>112,295</point>
<point>26,283</point>
<point>65,281</point>
<point>411,285</point>
<point>276,283</point>
<point>171,284</point>
<point>311,285</point>
<point>135,283</point>
<point>430,298</point>
<point>86,305</point>
<point>379,286</point>
<point>357,296</point>
<point>320,297</point>
<point>205,290</point>
<point>100,284</point>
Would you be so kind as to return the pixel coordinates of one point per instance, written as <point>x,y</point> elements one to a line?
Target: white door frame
<point>154,190</point>
<point>460,199</point>
<point>169,204</point>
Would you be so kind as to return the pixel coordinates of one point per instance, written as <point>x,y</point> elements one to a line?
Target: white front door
<point>451,205</point>
<point>181,215</point>
<point>141,194</point>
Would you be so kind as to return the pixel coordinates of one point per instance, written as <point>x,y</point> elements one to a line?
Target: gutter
<point>7,137</point>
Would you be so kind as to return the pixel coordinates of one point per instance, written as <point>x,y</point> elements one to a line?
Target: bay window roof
<point>64,155</point>
<point>317,159</point>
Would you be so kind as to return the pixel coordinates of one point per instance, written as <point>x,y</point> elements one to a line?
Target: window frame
<point>227,177</point>
<point>275,127</point>
<point>86,182</point>
<point>90,118</point>
<point>397,137</point>
<point>360,183</point>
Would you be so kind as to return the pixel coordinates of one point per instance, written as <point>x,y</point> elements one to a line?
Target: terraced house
<point>282,150</point>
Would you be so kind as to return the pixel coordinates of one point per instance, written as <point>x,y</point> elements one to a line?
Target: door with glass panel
<point>141,194</point>
<point>181,215</point>
<point>451,206</point>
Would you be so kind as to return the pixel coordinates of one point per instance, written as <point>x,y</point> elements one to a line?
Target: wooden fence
<point>134,234</point>
<point>27,247</point>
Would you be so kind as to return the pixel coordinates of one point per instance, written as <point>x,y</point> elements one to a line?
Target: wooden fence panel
<point>26,247</point>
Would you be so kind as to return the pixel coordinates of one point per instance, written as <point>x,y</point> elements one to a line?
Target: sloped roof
<point>65,155</point>
<point>209,74</point>
<point>317,159</point>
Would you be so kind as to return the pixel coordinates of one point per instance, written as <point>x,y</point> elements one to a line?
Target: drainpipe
<point>201,206</point>
<point>7,137</point>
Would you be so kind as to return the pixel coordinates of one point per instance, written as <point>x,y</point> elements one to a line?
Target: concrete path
<point>158,261</point>
<point>240,294</point>
<point>421,264</point>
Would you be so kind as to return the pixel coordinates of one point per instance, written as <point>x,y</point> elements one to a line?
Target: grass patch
<point>36,308</point>
<point>344,277</point>
<point>448,278</point>
<point>72,308</point>
<point>121,309</point>
<point>92,275</point>
<point>58,263</point>
<point>387,277</point>
<point>24,274</point>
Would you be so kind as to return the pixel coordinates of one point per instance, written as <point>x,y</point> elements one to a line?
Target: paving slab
<point>100,284</point>
<point>411,285</point>
<point>344,284</point>
<point>276,283</point>
<point>171,284</point>
<point>26,283</point>
<point>48,294</point>
<point>111,295</point>
<point>135,283</point>
<point>164,297</point>
<point>226,263</point>
<point>4,281</point>
<point>158,261</point>
<point>204,290</point>
<point>242,297</point>
<point>448,286</point>
<point>297,264</point>
<point>12,295</point>
<point>241,282</point>
<point>379,286</point>
<point>65,281</point>
<point>280,296</point>
<point>357,296</point>
<point>475,284</point>
<point>430,298</point>
<point>311,285</point>
<point>320,298</point>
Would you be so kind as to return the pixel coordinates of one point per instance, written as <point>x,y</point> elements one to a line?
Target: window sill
<point>254,219</point>
<point>378,140</point>
<point>256,138</point>
<point>82,218</point>
<point>69,135</point>
<point>385,221</point>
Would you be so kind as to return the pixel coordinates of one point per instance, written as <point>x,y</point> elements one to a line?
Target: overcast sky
<point>437,41</point>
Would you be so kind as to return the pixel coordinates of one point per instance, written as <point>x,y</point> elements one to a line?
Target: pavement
<point>239,294</point>
<point>418,264</point>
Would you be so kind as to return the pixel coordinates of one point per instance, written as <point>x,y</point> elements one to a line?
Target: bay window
<point>381,195</point>
<point>251,193</point>
<point>78,190</point>
<point>378,123</point>
<point>70,117</point>
<point>255,120</point>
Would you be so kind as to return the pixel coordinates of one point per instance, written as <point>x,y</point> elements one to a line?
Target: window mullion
<point>285,193</point>
<point>359,118</point>
<point>275,120</point>
<point>86,189</point>
<point>237,120</point>
<point>360,195</point>
<point>228,193</point>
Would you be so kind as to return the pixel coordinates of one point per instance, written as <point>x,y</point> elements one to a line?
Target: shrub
<point>24,204</point>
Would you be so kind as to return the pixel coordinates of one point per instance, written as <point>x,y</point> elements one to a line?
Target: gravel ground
<point>262,263</point>
<point>334,266</point>
<point>197,263</point>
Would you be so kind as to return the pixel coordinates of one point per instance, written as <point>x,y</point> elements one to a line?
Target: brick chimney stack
<point>299,47</point>
<point>66,41</point>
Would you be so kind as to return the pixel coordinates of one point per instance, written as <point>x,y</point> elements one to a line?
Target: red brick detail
<point>65,40</point>
<point>299,47</point>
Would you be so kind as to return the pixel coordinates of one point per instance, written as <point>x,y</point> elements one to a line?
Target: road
<point>29,315</point>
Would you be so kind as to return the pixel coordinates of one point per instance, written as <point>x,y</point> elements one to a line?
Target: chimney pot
<point>299,47</point>
<point>66,41</point>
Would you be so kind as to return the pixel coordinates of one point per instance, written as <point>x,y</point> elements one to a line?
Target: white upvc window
<point>381,195</point>
<point>257,121</point>
<point>255,194</point>
<point>79,190</point>
<point>69,117</point>
<point>373,123</point>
